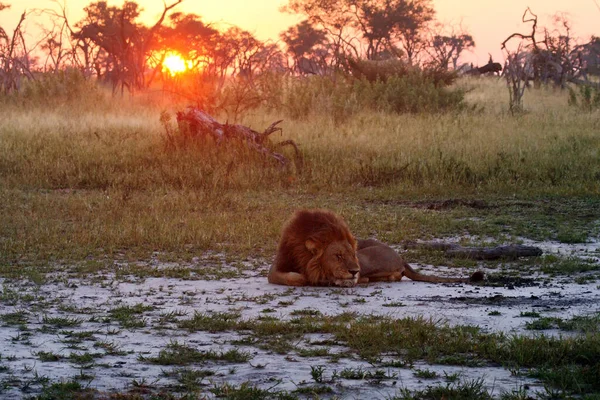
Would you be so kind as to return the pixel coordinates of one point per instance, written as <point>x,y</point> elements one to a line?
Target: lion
<point>317,249</point>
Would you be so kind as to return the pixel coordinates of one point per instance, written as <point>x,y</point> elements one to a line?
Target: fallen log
<point>510,252</point>
<point>194,122</point>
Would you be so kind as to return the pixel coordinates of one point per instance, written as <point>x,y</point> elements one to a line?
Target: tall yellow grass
<point>552,145</point>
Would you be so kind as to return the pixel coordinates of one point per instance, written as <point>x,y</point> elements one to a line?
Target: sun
<point>174,64</point>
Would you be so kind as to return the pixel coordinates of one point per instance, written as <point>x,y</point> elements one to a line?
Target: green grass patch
<point>65,390</point>
<point>529,314</point>
<point>130,317</point>
<point>567,266</point>
<point>248,391</point>
<point>394,304</point>
<point>585,324</point>
<point>212,322</point>
<point>61,322</point>
<point>425,374</point>
<point>84,360</point>
<point>15,318</point>
<point>320,352</point>
<point>190,380</point>
<point>181,354</point>
<point>48,356</point>
<point>465,390</point>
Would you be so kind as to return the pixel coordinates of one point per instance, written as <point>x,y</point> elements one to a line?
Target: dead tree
<point>516,72</point>
<point>534,20</point>
<point>195,123</point>
<point>553,58</point>
<point>14,59</point>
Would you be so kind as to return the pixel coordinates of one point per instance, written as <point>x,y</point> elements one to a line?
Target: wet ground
<point>39,319</point>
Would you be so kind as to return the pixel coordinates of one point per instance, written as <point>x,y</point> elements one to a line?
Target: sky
<point>490,22</point>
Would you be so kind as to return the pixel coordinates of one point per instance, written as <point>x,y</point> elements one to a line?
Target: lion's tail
<point>410,273</point>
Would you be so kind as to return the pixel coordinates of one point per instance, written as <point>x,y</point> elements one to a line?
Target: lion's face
<point>338,263</point>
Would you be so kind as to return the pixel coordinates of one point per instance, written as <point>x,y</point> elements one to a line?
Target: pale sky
<point>490,22</point>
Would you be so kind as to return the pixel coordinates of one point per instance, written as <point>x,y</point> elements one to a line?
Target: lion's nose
<point>354,272</point>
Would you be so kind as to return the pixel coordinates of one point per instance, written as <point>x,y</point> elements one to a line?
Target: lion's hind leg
<point>387,276</point>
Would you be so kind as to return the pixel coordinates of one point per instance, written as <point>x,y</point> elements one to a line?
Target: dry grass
<point>97,178</point>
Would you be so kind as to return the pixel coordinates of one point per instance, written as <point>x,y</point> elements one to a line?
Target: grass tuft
<point>180,354</point>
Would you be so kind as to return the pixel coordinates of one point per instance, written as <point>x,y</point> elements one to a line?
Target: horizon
<point>265,20</point>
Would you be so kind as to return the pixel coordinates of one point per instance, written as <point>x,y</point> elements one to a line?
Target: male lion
<point>318,249</point>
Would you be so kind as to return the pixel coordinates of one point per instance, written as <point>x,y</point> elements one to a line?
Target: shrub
<point>339,96</point>
<point>56,88</point>
<point>586,97</point>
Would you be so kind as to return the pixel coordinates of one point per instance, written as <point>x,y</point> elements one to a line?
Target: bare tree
<point>64,46</point>
<point>14,57</point>
<point>555,57</point>
<point>517,68</point>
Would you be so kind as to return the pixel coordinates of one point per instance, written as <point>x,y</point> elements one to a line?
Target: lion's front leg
<point>287,278</point>
<point>386,276</point>
<point>345,282</point>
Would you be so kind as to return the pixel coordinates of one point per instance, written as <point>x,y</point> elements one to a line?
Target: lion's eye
<point>339,257</point>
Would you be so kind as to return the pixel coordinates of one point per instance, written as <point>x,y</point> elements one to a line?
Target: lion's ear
<point>312,246</point>
<point>353,242</point>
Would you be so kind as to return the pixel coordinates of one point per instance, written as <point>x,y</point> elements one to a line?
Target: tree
<point>555,58</point>
<point>14,57</point>
<point>124,45</point>
<point>381,24</point>
<point>309,47</point>
<point>394,22</point>
<point>188,35</point>
<point>300,39</point>
<point>589,53</point>
<point>446,49</point>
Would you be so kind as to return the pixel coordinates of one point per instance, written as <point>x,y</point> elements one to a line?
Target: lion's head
<point>318,244</point>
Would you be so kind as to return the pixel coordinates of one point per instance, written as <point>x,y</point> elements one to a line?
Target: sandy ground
<point>23,372</point>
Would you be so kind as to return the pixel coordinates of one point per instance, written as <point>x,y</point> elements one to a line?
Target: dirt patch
<point>551,302</point>
<point>451,203</point>
<point>510,282</point>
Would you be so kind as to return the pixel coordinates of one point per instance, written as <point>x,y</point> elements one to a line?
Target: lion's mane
<point>320,226</point>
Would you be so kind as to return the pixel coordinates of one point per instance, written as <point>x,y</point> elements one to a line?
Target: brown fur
<point>379,262</point>
<point>307,251</point>
<point>317,248</point>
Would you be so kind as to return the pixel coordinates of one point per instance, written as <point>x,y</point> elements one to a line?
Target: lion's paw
<point>346,282</point>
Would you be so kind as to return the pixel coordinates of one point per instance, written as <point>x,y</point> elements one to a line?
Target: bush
<point>586,97</point>
<point>399,89</point>
<point>55,88</point>
<point>410,91</point>
<point>414,93</point>
<point>340,97</point>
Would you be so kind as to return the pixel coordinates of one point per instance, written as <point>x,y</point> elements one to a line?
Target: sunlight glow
<point>174,64</point>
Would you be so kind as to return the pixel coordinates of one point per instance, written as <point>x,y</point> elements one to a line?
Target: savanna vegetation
<point>96,172</point>
<point>105,168</point>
